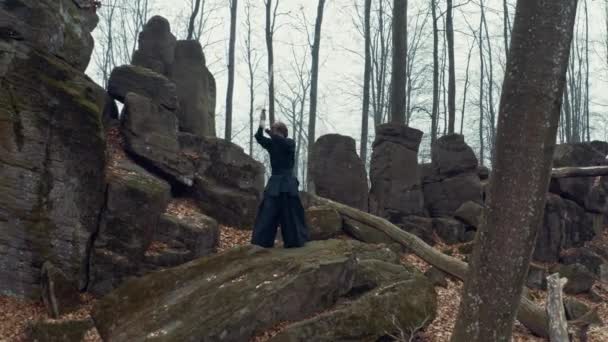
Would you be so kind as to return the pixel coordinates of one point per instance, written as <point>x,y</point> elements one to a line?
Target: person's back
<point>281,202</point>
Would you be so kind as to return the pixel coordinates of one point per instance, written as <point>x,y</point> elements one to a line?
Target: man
<point>281,203</point>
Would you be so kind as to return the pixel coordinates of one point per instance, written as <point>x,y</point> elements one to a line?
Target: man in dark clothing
<point>281,203</point>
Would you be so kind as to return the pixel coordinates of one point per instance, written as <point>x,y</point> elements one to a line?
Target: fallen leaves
<point>231,237</point>
<point>17,314</point>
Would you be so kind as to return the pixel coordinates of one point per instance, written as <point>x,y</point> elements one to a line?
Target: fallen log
<point>558,326</point>
<point>567,172</point>
<point>529,314</point>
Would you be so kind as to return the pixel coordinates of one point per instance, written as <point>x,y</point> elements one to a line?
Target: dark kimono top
<point>282,159</point>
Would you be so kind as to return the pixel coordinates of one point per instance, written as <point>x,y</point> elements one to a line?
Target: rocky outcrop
<point>135,200</point>
<point>337,172</point>
<point>61,28</point>
<point>196,89</point>
<point>150,132</point>
<point>52,152</point>
<point>183,238</point>
<point>142,81</point>
<point>565,225</point>
<point>228,184</point>
<point>580,154</point>
<point>396,190</point>
<point>452,178</point>
<point>387,309</point>
<point>58,331</point>
<point>233,295</point>
<point>156,46</point>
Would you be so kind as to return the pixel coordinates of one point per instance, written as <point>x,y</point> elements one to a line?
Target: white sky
<point>341,70</point>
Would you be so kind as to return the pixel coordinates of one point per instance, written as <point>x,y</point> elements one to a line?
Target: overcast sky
<point>341,69</point>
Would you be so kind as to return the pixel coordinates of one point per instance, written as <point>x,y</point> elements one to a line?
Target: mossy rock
<point>233,295</point>
<point>323,223</point>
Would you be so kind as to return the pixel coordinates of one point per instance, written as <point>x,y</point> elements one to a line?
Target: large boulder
<point>580,154</point>
<point>156,50</point>
<point>580,279</point>
<point>184,238</point>
<point>337,172</point>
<point>471,213</point>
<point>565,225</point>
<point>452,178</point>
<point>135,200</point>
<point>150,133</point>
<point>444,197</point>
<point>233,295</point>
<point>52,156</point>
<point>387,309</point>
<point>396,190</point>
<point>228,183</point>
<point>134,79</point>
<point>59,27</point>
<point>452,156</point>
<point>590,193</point>
<point>196,89</point>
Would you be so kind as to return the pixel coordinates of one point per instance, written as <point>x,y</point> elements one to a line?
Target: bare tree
<point>367,73</point>
<point>197,5</point>
<point>490,69</point>
<point>452,71</point>
<point>435,113</point>
<point>253,60</point>
<point>271,19</point>
<point>399,70</point>
<point>314,76</point>
<point>231,52</point>
<point>381,43</point>
<point>527,128</point>
<point>481,86</point>
<point>465,89</point>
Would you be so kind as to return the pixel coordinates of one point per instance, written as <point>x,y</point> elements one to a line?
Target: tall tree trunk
<point>481,88</point>
<point>506,29</point>
<point>449,23</point>
<point>435,113</point>
<point>314,77</point>
<point>527,128</point>
<point>251,68</point>
<point>492,113</point>
<point>587,119</point>
<point>230,90</point>
<point>197,6</point>
<point>270,21</point>
<point>367,73</point>
<point>399,71</point>
<point>466,88</point>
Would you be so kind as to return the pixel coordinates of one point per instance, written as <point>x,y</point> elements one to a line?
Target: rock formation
<point>337,172</point>
<point>396,190</point>
<point>52,148</point>
<point>452,178</point>
<point>225,297</point>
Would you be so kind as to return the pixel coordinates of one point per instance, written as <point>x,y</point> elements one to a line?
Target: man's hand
<point>268,131</point>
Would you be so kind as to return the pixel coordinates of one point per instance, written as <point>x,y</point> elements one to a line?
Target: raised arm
<point>259,135</point>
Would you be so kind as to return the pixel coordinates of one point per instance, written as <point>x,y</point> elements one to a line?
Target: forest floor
<point>16,315</point>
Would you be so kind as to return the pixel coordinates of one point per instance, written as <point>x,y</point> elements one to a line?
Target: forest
<point>278,170</point>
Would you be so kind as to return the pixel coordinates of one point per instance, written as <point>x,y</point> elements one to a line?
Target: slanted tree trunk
<point>558,326</point>
<point>527,129</point>
<point>399,71</point>
<point>314,81</point>
<point>230,90</point>
<point>367,75</point>
<point>449,23</point>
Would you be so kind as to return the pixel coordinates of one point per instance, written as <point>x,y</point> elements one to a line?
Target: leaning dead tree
<point>526,134</point>
<point>530,315</point>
